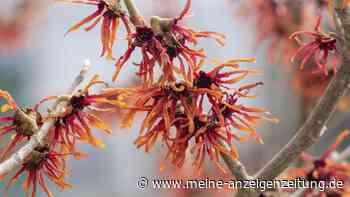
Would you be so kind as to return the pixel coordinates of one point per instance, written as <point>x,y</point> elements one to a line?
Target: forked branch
<point>38,139</point>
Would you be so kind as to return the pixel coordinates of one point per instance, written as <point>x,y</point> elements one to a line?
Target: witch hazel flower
<point>163,41</point>
<point>22,123</point>
<point>208,139</point>
<point>324,168</point>
<point>111,14</point>
<point>320,46</point>
<point>43,163</point>
<point>176,117</point>
<point>76,121</point>
<point>151,49</point>
<point>238,118</point>
<point>178,40</point>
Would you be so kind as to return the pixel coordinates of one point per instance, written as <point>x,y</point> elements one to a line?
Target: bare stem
<point>38,139</point>
<point>134,13</point>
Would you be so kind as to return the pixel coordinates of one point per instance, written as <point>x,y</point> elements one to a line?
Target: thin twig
<point>19,156</point>
<point>312,129</point>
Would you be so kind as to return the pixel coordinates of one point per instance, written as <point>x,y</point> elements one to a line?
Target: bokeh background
<point>44,62</point>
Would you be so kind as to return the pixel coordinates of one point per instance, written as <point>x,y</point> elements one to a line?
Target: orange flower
<point>109,11</point>
<point>40,163</point>
<point>218,80</point>
<point>151,51</point>
<point>23,123</point>
<point>236,116</point>
<point>175,38</point>
<point>212,139</point>
<point>321,45</point>
<point>325,168</point>
<point>207,138</point>
<point>227,110</point>
<point>176,115</point>
<point>191,35</point>
<point>163,41</point>
<point>76,121</point>
<point>178,146</point>
<point>161,102</point>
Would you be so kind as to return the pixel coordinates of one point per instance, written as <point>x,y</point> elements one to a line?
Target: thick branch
<point>316,123</point>
<point>19,156</point>
<point>239,171</point>
<point>236,168</point>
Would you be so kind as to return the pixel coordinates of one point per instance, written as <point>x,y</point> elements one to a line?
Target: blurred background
<point>37,60</point>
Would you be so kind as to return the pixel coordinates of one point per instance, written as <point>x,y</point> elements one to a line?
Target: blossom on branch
<point>178,40</point>
<point>320,47</point>
<point>207,139</point>
<point>324,168</point>
<point>41,163</point>
<point>22,123</point>
<point>163,41</point>
<point>151,51</point>
<point>78,117</point>
<point>176,113</point>
<point>110,12</point>
<point>227,109</point>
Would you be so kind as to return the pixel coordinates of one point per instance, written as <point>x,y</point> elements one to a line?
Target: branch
<point>316,123</point>
<point>236,168</point>
<point>134,13</point>
<point>239,171</point>
<point>38,139</point>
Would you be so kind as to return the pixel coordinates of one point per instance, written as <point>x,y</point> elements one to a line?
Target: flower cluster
<point>163,41</point>
<point>73,124</point>
<point>176,101</point>
<point>325,168</point>
<point>23,123</point>
<point>188,108</point>
<point>176,114</point>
